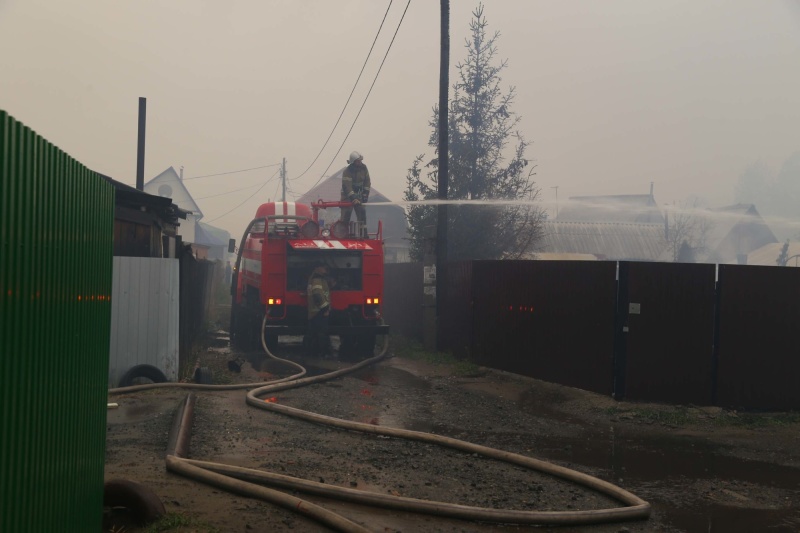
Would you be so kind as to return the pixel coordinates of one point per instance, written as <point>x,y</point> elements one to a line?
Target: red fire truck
<point>278,251</point>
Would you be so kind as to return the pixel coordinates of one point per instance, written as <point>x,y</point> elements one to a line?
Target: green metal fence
<point>56,230</point>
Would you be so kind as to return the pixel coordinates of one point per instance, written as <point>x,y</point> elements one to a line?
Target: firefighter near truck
<point>278,252</point>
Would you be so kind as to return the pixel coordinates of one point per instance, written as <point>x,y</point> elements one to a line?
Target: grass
<point>413,350</point>
<point>180,523</point>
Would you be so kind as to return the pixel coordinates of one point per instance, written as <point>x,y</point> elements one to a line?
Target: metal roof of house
<point>625,208</point>
<point>395,224</point>
<point>737,229</point>
<point>768,254</point>
<point>607,240</point>
<point>127,196</point>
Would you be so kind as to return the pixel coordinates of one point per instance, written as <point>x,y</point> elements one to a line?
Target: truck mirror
<point>231,246</point>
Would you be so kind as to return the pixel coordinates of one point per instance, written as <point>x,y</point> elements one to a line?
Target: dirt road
<point>702,469</point>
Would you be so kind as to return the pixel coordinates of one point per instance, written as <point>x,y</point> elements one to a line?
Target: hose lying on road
<point>243,480</point>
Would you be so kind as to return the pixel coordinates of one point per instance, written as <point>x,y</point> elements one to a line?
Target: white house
<point>170,185</point>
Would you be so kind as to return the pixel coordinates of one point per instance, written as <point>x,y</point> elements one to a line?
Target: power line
<point>229,192</point>
<point>349,97</point>
<point>247,199</point>
<point>366,97</point>
<point>231,172</point>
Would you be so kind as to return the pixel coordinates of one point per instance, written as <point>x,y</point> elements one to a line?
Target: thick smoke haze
<point>614,95</point>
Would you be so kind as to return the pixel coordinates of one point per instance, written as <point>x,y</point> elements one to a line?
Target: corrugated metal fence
<point>656,332</point>
<point>56,228</point>
<point>144,316</point>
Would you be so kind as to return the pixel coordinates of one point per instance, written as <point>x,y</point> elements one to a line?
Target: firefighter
<point>317,340</point>
<point>355,189</point>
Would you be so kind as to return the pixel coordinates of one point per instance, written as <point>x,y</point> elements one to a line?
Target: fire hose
<point>250,482</point>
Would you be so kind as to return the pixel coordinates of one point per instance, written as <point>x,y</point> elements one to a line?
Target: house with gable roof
<point>622,227</point>
<point>207,241</point>
<point>736,231</point>
<point>392,216</point>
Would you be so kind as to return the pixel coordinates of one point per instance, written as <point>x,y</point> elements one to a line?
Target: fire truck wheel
<point>141,374</point>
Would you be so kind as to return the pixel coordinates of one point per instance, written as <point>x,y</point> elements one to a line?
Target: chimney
<point>666,225</point>
<point>181,173</point>
<point>651,188</point>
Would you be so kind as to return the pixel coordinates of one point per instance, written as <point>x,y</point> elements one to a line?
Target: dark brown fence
<point>759,352</point>
<point>552,320</point>
<point>663,332</point>
<point>667,333</point>
<point>402,298</point>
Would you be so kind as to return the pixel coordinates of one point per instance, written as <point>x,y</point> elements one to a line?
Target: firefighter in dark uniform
<point>355,189</point>
<point>317,340</point>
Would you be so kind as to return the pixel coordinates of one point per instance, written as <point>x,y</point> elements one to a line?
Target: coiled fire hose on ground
<point>250,482</point>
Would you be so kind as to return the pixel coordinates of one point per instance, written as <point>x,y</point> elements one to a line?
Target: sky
<point>613,95</point>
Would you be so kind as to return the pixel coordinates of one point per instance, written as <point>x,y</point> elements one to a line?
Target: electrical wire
<point>351,94</point>
<point>229,192</point>
<point>366,97</point>
<point>231,172</point>
<point>246,200</point>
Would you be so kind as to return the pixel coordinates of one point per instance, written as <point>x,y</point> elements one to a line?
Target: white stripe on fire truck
<point>337,245</point>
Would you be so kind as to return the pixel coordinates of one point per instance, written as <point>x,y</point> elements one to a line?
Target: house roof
<point>626,208</point>
<point>768,254</point>
<point>737,229</point>
<point>393,217</point>
<point>131,197</point>
<point>170,185</point>
<point>607,240</point>
<point>330,189</point>
<point>205,235</point>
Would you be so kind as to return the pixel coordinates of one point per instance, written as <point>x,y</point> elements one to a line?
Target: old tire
<point>144,505</point>
<point>148,372</point>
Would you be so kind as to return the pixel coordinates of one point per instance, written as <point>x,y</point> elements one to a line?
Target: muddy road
<point>701,469</point>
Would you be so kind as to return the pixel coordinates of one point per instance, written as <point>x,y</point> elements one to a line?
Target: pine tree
<point>497,217</point>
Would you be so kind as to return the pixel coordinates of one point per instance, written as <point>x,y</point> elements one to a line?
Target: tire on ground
<point>144,505</point>
<point>142,371</point>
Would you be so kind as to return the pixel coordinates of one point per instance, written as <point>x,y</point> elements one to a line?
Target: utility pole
<point>444,152</point>
<point>283,180</point>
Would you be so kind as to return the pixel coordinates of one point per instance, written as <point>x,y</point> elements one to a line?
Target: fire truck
<point>277,253</point>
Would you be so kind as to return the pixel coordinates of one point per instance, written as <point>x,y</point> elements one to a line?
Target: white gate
<point>144,316</point>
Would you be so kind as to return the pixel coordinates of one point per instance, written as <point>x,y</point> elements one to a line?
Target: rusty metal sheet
<point>758,353</point>
<point>668,343</point>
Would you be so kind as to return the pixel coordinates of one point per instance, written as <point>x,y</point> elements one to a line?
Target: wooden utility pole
<point>444,152</point>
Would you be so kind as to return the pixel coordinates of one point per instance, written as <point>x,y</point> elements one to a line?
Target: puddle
<point>727,519</point>
<point>663,458</point>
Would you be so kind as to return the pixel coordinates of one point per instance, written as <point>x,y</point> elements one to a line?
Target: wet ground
<point>701,469</point>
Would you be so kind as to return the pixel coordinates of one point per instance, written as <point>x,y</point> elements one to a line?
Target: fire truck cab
<point>278,252</point>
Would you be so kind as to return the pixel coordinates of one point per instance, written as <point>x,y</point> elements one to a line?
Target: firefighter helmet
<point>354,156</point>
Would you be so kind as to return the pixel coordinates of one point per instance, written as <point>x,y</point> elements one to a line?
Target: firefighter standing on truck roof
<point>317,340</point>
<point>355,189</point>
